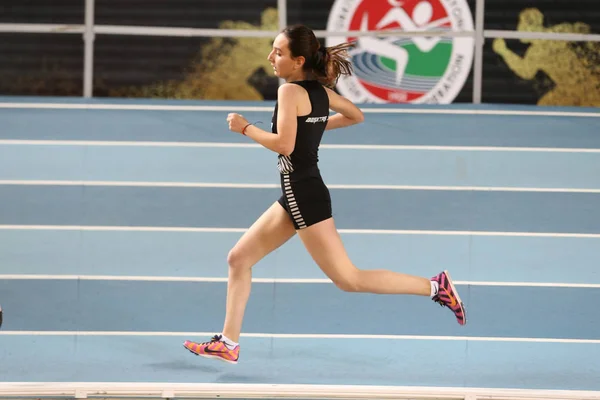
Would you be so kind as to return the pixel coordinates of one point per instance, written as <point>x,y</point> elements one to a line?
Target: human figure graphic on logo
<point>421,16</point>
<point>404,69</point>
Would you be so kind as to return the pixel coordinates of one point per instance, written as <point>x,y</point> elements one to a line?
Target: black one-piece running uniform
<point>305,196</point>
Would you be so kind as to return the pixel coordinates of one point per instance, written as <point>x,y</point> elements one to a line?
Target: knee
<point>348,283</point>
<point>237,261</point>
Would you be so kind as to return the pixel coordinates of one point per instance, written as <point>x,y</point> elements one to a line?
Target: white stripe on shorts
<point>291,200</point>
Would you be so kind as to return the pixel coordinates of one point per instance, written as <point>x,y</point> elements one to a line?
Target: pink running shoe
<point>447,296</point>
<point>214,349</point>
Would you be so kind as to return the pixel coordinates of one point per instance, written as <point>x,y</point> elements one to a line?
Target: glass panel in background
<point>187,68</point>
<point>42,11</point>
<point>313,13</point>
<point>542,72</point>
<point>437,70</point>
<point>184,68</point>
<point>207,14</point>
<point>41,64</point>
<point>505,14</point>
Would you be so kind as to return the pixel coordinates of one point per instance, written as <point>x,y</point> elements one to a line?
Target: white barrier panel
<point>274,391</point>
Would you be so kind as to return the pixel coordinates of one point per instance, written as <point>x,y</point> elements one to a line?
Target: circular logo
<point>392,69</point>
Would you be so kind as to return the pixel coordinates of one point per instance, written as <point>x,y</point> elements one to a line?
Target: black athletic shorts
<point>305,198</point>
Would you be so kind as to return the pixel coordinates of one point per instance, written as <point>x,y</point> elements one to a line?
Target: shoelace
<point>216,338</point>
<point>437,299</point>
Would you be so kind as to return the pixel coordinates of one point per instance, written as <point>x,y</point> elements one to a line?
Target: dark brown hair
<point>325,63</point>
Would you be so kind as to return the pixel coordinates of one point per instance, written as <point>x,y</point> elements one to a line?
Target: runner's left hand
<point>236,122</point>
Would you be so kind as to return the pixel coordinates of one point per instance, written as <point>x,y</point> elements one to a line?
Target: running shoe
<point>447,296</point>
<point>216,348</point>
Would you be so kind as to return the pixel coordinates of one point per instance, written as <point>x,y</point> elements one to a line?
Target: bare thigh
<point>325,246</point>
<point>271,230</point>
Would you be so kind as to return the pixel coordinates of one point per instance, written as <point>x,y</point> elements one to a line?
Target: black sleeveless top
<point>309,132</point>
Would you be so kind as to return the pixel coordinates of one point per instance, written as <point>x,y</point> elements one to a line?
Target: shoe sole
<point>455,292</point>
<point>209,356</point>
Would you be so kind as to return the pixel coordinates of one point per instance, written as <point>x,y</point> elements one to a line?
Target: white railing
<point>274,391</point>
<point>89,30</point>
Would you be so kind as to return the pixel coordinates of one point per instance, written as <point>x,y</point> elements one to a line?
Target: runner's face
<point>284,66</point>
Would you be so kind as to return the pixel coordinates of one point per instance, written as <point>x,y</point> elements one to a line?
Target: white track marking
<point>343,231</point>
<point>239,108</point>
<point>121,228</point>
<point>266,280</point>
<point>144,184</point>
<point>231,185</point>
<point>306,336</point>
<point>116,143</point>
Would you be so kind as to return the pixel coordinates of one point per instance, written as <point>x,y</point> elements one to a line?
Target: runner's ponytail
<point>327,64</point>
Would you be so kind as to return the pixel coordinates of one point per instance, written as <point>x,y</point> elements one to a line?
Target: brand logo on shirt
<point>314,120</point>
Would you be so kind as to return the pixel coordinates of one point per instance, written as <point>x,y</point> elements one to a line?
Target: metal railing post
<point>479,41</point>
<point>88,56</point>
<point>282,13</point>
